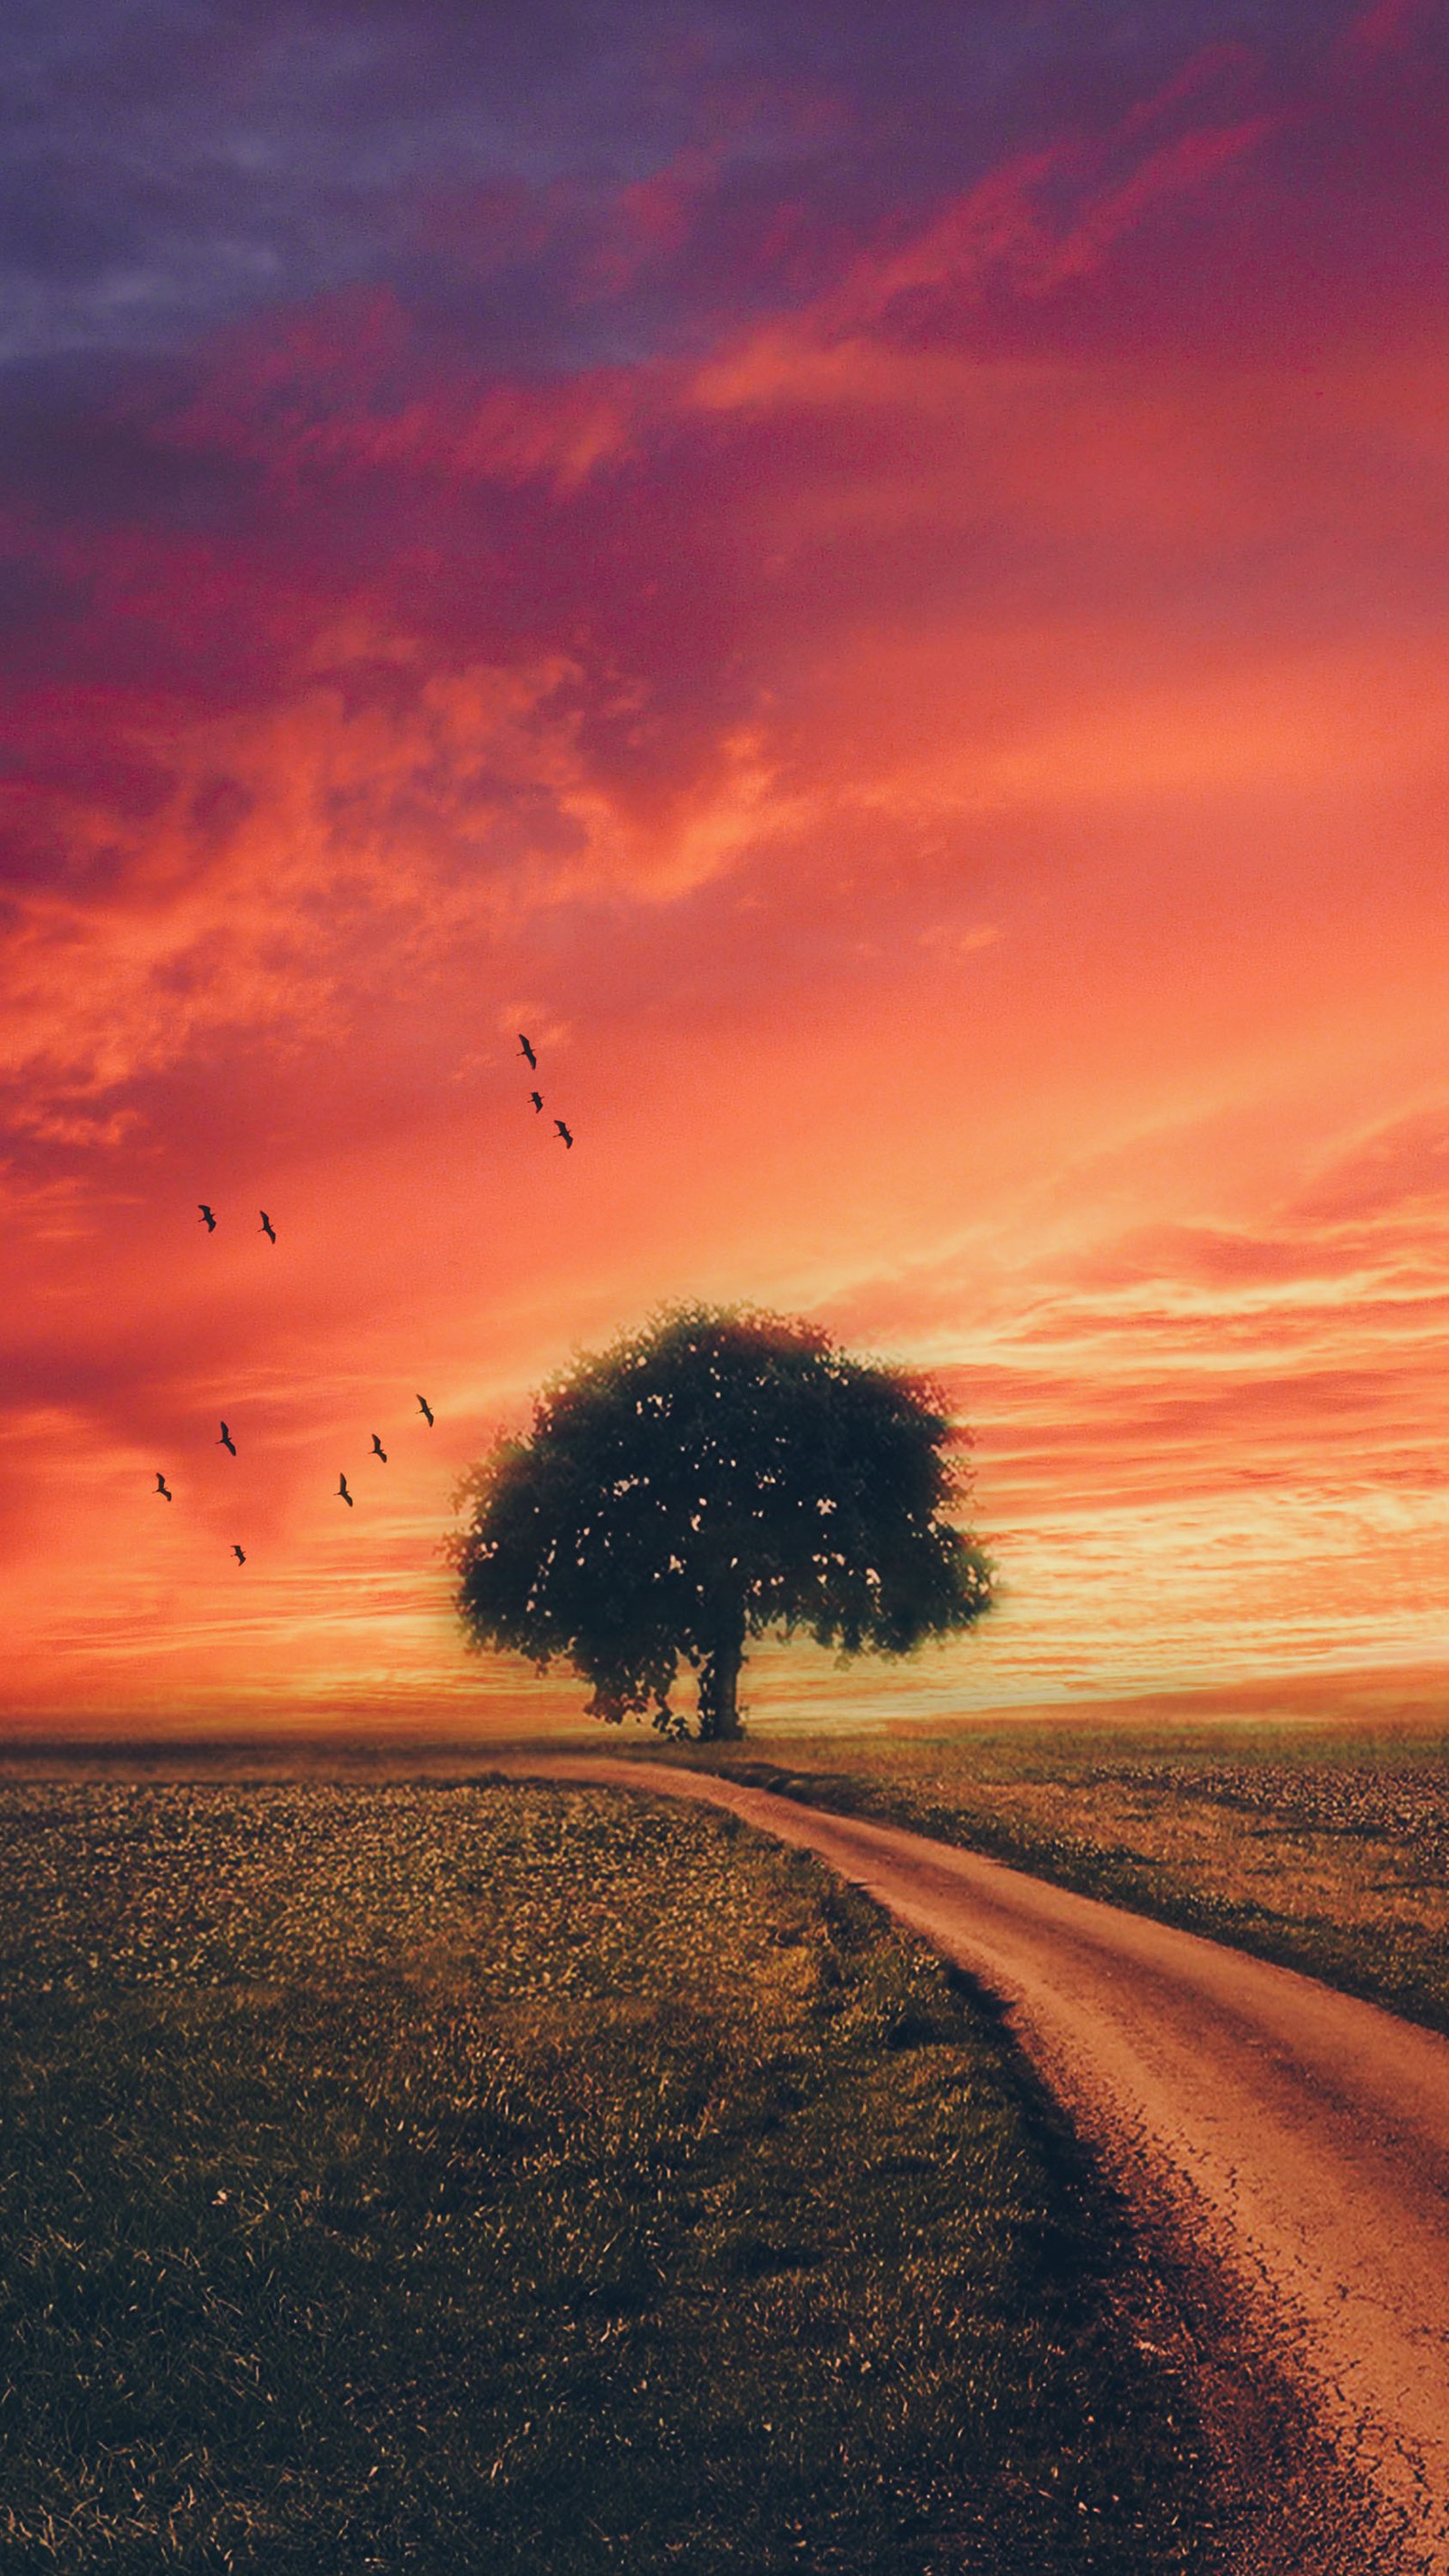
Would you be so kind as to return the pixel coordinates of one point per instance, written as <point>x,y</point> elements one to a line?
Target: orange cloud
<point>953,785</point>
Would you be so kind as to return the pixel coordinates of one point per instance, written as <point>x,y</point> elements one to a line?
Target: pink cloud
<point>962,814</point>
<point>1386,26</point>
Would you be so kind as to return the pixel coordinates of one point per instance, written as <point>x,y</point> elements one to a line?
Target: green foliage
<point>473,2177</point>
<point>721,1474</point>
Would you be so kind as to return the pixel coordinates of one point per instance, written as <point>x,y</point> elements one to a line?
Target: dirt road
<point>1302,2136</point>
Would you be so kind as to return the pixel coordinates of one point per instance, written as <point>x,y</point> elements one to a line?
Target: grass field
<point>1323,1845</point>
<point>459,2177</point>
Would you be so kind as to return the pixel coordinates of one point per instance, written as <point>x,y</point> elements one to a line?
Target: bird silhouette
<point>267,1227</point>
<point>378,1450</point>
<point>537,1098</point>
<point>426,1409</point>
<point>207,1219</point>
<point>563,1131</point>
<point>163,1488</point>
<point>226,1441</point>
<point>343,1492</point>
<point>240,1555</point>
<point>527,1050</point>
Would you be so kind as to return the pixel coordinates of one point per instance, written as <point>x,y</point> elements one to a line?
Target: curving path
<point>1304,2135</point>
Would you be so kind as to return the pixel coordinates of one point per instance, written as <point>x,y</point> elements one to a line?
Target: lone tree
<point>719,1474</point>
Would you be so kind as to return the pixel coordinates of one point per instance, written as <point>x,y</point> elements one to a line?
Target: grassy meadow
<point>1319,1842</point>
<point>452,2176</point>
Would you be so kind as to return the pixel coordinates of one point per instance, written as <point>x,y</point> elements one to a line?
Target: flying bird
<point>343,1492</point>
<point>207,1219</point>
<point>563,1131</point>
<point>267,1227</point>
<point>378,1450</point>
<point>226,1441</point>
<point>163,1488</point>
<point>239,1554</point>
<point>527,1050</point>
<point>537,1098</point>
<point>426,1409</point>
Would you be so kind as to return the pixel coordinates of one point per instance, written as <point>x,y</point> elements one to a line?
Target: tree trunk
<point>719,1683</point>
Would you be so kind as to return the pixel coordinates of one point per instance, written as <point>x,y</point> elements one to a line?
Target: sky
<point>873,580</point>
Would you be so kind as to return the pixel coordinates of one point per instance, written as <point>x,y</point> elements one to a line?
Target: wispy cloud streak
<point>892,614</point>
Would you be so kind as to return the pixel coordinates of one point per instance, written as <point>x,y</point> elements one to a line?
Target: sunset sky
<point>875,579</point>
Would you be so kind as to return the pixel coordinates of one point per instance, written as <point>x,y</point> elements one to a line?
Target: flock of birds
<point>209,1219</point>
<point>537,1096</point>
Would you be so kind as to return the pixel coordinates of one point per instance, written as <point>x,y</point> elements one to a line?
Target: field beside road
<point>1320,1843</point>
<point>433,2175</point>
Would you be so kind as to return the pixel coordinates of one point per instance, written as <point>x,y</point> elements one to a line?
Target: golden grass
<point>1320,1843</point>
<point>426,2178</point>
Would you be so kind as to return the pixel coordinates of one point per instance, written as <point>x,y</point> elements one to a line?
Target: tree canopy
<point>720,1474</point>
